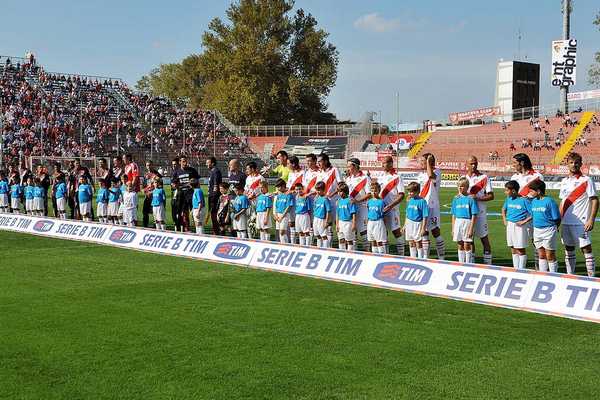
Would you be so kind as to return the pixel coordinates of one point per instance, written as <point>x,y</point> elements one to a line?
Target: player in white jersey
<point>252,189</point>
<point>295,176</point>
<point>430,180</point>
<point>578,209</point>
<point>525,175</point>
<point>311,177</point>
<point>392,193</point>
<point>480,188</point>
<point>330,176</point>
<point>359,186</point>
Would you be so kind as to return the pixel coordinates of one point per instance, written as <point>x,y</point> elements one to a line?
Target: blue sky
<point>440,55</point>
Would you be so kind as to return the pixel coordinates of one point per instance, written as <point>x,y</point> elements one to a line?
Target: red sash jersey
<point>132,171</point>
<point>525,180</point>
<point>479,185</point>
<point>311,177</point>
<point>359,185</point>
<point>575,194</point>
<point>430,187</point>
<point>252,187</point>
<point>331,178</point>
<point>294,178</point>
<point>391,186</point>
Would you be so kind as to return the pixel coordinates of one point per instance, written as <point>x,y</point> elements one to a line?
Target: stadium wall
<point>526,290</point>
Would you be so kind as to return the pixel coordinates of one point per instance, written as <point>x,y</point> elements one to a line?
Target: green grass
<point>83,321</point>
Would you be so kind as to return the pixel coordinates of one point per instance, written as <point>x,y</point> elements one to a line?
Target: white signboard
<point>564,62</point>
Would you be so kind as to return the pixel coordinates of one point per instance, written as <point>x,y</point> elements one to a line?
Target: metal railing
<point>100,79</point>
<point>296,130</point>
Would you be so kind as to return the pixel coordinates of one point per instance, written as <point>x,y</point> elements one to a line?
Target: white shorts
<point>460,230</point>
<point>292,215</point>
<point>284,224</point>
<point>260,220</point>
<point>575,235</point>
<point>3,200</point>
<point>85,208</point>
<point>319,227</point>
<point>129,215</point>
<point>362,219</point>
<point>481,225</point>
<point>433,221</point>
<point>376,231</point>
<point>159,213</point>
<point>345,231</point>
<point>517,236</point>
<point>392,219</point>
<point>102,209</point>
<point>198,214</point>
<point>545,237</point>
<point>120,210</point>
<point>38,203</point>
<point>412,231</point>
<point>15,203</point>
<point>303,223</point>
<point>29,205</point>
<point>241,223</point>
<point>61,204</point>
<point>113,209</point>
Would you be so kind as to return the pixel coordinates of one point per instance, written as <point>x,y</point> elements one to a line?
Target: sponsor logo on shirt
<point>43,226</point>
<point>231,250</point>
<point>401,273</point>
<point>122,236</point>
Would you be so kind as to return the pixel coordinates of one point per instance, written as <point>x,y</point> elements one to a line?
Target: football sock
<point>461,256</point>
<point>553,266</point>
<point>469,256</point>
<point>319,242</point>
<point>413,252</point>
<point>440,246</point>
<point>342,245</point>
<point>515,258</point>
<point>425,246</point>
<point>487,258</point>
<point>522,261</point>
<point>421,253</point>
<point>590,264</point>
<point>543,263</point>
<point>570,261</point>
<point>292,235</point>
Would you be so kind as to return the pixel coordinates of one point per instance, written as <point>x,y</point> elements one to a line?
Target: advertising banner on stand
<point>564,62</point>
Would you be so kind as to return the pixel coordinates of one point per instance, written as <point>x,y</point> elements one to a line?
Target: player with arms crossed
<point>295,177</point>
<point>392,193</point>
<point>359,185</point>
<point>252,188</point>
<point>464,218</point>
<point>480,189</point>
<point>415,224</point>
<point>430,180</point>
<point>578,209</point>
<point>330,176</point>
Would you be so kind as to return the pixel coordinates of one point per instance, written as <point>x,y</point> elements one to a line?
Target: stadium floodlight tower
<point>567,7</point>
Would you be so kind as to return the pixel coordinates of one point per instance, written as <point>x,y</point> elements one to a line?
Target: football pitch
<point>79,320</point>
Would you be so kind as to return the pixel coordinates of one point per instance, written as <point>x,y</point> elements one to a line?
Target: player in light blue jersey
<point>4,190</point>
<point>115,198</point>
<point>123,190</point>
<point>28,194</point>
<point>60,193</point>
<point>516,217</point>
<point>102,201</point>
<point>415,224</point>
<point>546,220</point>
<point>84,195</point>
<point>321,215</point>
<point>302,217</point>
<point>158,203</point>
<point>38,198</point>
<point>376,230</point>
<point>15,197</point>
<point>464,217</point>
<point>346,218</point>
<point>198,207</point>
<point>240,206</point>
<point>283,204</point>
<point>264,204</point>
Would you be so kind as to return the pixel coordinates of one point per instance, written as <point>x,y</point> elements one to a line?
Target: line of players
<point>315,198</point>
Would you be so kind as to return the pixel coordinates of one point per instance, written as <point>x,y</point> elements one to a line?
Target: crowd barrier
<point>568,296</point>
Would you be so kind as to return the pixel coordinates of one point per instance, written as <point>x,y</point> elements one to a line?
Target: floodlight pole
<point>564,90</point>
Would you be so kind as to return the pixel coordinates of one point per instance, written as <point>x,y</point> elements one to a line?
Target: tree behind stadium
<point>594,72</point>
<point>265,65</point>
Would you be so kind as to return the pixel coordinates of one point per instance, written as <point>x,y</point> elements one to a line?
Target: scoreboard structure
<point>517,89</point>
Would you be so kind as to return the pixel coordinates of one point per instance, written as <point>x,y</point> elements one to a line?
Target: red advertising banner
<point>474,114</point>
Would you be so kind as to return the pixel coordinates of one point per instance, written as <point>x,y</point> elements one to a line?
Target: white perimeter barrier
<point>566,296</point>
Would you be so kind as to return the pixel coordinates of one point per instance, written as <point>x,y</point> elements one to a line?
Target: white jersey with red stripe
<point>430,187</point>
<point>391,186</point>
<point>359,186</point>
<point>295,177</point>
<point>480,185</point>
<point>311,177</point>
<point>331,178</point>
<point>253,183</point>
<point>525,180</point>
<point>575,193</point>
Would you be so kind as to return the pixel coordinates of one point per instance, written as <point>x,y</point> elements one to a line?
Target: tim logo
<point>231,250</point>
<point>122,236</point>
<point>43,226</point>
<point>402,273</point>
